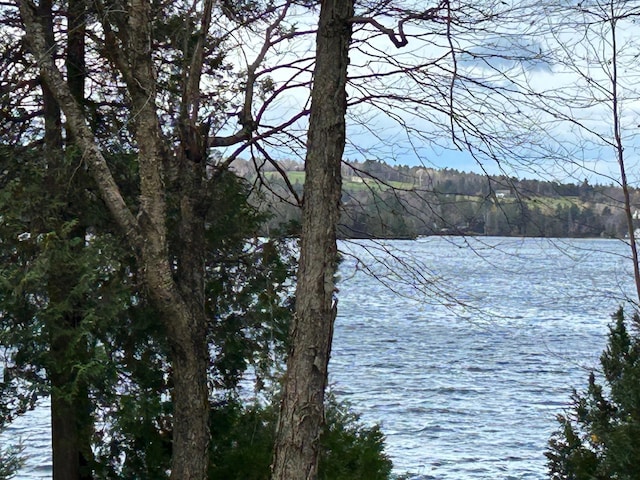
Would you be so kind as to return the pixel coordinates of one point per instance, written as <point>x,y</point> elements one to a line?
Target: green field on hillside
<point>352,184</point>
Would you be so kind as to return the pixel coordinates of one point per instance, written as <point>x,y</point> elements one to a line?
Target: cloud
<point>506,52</point>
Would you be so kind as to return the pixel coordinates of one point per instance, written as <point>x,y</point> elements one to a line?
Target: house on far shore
<point>503,193</point>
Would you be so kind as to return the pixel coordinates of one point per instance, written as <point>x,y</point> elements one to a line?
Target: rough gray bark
<point>302,409</point>
<point>179,305</point>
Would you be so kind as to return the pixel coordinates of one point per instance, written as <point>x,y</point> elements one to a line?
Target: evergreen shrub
<point>599,436</point>
<point>10,461</point>
<point>244,439</point>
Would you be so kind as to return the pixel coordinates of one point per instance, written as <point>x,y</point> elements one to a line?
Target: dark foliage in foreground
<point>244,443</point>
<point>122,365</point>
<point>599,438</point>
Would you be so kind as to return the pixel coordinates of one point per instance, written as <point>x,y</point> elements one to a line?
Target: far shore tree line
<point>383,200</point>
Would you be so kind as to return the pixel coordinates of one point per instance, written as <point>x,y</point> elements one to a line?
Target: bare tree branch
<point>399,39</point>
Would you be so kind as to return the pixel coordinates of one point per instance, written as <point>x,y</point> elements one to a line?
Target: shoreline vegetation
<point>401,202</point>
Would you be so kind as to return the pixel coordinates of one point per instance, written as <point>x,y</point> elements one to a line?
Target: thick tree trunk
<point>64,440</point>
<point>302,410</point>
<point>179,302</point>
<point>71,423</point>
<point>71,415</point>
<point>189,362</point>
<point>147,233</point>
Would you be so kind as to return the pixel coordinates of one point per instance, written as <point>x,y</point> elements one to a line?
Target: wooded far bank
<point>397,201</point>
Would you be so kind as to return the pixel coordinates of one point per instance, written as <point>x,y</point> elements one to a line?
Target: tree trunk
<point>619,149</point>
<point>178,301</point>
<point>147,233</point>
<point>71,423</point>
<point>302,409</point>
<point>189,362</point>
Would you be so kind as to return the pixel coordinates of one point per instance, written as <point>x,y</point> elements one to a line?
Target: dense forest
<point>397,201</point>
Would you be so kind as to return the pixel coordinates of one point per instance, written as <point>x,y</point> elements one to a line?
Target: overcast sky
<point>518,87</point>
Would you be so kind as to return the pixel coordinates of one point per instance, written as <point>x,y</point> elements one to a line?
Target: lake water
<point>464,349</point>
<point>468,387</point>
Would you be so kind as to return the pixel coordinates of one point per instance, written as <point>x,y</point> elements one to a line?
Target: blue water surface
<point>464,349</point>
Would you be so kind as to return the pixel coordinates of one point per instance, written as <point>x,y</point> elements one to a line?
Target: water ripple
<point>471,392</point>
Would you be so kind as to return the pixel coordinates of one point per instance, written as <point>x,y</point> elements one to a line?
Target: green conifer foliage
<point>38,245</point>
<point>10,461</point>
<point>599,438</point>
<point>124,362</point>
<point>349,450</point>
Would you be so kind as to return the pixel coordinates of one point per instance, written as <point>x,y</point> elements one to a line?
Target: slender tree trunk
<point>619,148</point>
<point>189,362</point>
<point>302,409</point>
<point>51,113</point>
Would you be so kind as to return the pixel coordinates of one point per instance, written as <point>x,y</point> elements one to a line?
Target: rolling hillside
<point>381,200</point>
